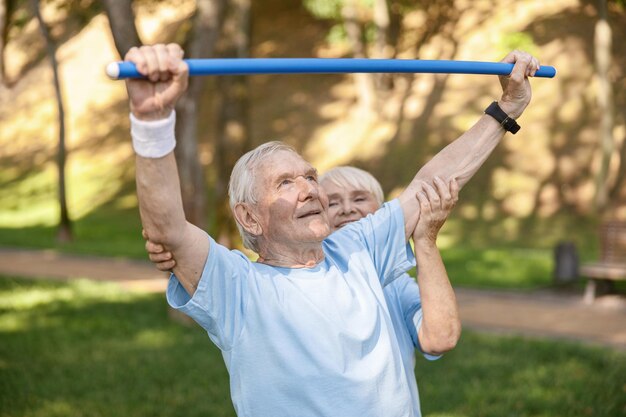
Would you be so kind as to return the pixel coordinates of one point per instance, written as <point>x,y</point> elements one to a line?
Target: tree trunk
<point>201,44</point>
<point>233,136</point>
<point>395,26</point>
<point>621,173</point>
<point>381,20</point>
<point>364,82</point>
<point>4,23</point>
<point>64,231</point>
<point>382,47</point>
<point>122,22</point>
<point>602,47</point>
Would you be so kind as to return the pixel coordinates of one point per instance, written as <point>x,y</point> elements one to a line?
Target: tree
<point>371,29</point>
<point>382,21</point>
<point>233,124</point>
<point>200,43</point>
<point>4,31</point>
<point>64,230</point>
<point>354,29</point>
<point>602,49</point>
<point>618,186</point>
<point>122,22</point>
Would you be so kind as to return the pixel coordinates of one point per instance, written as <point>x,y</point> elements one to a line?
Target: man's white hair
<point>242,184</point>
<point>346,176</point>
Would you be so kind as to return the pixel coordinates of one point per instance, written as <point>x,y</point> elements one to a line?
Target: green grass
<point>115,231</point>
<point>510,268</point>
<point>112,232</point>
<point>89,349</point>
<point>101,200</point>
<point>489,375</point>
<point>476,253</point>
<point>498,268</point>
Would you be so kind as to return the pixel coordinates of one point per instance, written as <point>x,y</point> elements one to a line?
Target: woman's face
<point>348,204</point>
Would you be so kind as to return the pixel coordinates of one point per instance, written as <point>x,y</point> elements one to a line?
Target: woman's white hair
<point>242,184</point>
<point>346,176</point>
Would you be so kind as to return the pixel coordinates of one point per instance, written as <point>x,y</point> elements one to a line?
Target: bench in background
<point>612,264</point>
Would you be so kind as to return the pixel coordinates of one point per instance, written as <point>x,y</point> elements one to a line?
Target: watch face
<point>511,125</point>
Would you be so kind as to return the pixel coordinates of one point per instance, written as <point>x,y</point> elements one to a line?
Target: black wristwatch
<point>508,123</point>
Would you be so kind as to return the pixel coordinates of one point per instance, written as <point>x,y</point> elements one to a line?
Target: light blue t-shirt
<point>321,341</point>
<point>405,307</point>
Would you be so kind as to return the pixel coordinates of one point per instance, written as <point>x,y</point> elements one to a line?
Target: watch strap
<point>508,123</point>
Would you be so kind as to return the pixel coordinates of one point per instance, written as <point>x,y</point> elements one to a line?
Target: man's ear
<point>247,219</point>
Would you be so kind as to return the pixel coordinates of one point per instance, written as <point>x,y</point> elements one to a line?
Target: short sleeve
<point>410,303</point>
<point>384,237</point>
<point>218,303</point>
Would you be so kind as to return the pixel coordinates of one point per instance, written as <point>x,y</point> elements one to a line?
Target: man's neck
<point>304,256</point>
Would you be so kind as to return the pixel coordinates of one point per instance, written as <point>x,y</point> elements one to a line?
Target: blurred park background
<point>81,348</point>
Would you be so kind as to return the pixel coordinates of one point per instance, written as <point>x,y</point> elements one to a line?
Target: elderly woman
<point>305,330</point>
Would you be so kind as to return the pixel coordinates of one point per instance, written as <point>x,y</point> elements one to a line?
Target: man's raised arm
<point>462,158</point>
<point>152,128</point>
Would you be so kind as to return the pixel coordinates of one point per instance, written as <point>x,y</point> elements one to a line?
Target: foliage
<point>336,34</point>
<point>332,10</point>
<point>20,16</point>
<point>518,40</point>
<point>79,11</point>
<point>89,349</point>
<point>324,9</point>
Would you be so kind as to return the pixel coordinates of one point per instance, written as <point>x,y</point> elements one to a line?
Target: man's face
<point>348,204</point>
<point>292,207</point>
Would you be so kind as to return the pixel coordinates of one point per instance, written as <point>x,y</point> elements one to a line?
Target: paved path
<point>537,313</point>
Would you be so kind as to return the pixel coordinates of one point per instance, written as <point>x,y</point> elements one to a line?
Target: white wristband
<point>153,139</point>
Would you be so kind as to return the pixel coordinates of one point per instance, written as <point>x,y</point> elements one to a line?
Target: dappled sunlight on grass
<point>98,179</point>
<point>28,137</point>
<point>121,355</point>
<point>108,231</point>
<point>57,409</point>
<point>34,295</point>
<point>93,180</point>
<point>113,354</point>
<point>31,200</point>
<point>24,300</point>
<point>126,202</point>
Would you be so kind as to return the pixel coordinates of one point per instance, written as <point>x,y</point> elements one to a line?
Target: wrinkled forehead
<point>280,164</point>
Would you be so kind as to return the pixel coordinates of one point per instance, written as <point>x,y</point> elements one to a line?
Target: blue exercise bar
<point>244,66</point>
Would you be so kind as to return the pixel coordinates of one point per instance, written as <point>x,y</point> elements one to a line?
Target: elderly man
<point>305,330</point>
<point>352,195</point>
